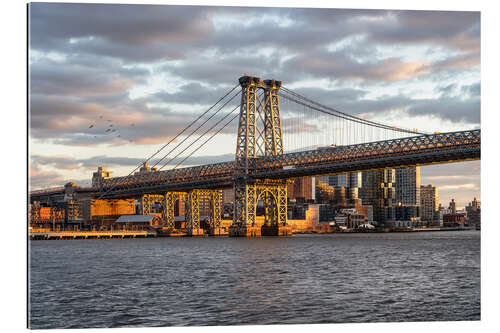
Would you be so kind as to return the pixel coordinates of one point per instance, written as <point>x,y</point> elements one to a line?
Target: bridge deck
<point>416,150</point>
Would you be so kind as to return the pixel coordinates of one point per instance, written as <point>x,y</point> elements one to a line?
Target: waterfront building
<point>453,220</point>
<point>349,218</point>
<point>326,213</point>
<point>429,201</point>
<point>407,212</point>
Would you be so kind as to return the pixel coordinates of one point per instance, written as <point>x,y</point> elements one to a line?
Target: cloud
<point>159,67</point>
<point>339,65</point>
<point>460,181</point>
<point>464,108</point>
<point>121,31</point>
<point>83,77</point>
<point>40,178</point>
<point>70,163</point>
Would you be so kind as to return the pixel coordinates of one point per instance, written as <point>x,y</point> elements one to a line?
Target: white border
<point>14,163</point>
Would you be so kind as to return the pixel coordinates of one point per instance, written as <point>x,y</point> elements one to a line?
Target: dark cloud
<point>83,77</point>
<point>122,31</point>
<point>448,108</point>
<point>459,30</point>
<point>473,90</point>
<point>464,109</point>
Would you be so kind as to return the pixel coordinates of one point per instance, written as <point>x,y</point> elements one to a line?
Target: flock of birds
<point>107,129</point>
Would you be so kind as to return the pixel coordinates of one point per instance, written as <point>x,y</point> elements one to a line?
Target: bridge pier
<point>196,232</point>
<point>193,212</point>
<point>245,231</point>
<point>169,212</point>
<point>217,231</point>
<point>247,195</point>
<point>276,230</point>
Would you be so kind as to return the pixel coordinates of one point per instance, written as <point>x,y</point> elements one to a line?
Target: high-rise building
<point>350,182</point>
<point>408,186</point>
<point>429,201</point>
<point>323,191</point>
<point>303,188</point>
<point>339,196</point>
<point>377,191</point>
<point>354,179</point>
<point>338,180</point>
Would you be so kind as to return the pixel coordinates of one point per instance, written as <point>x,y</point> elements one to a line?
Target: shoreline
<point>65,235</point>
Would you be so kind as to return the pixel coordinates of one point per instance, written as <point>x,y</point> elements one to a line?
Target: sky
<point>149,70</point>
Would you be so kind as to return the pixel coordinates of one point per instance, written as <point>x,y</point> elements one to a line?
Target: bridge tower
<point>259,135</point>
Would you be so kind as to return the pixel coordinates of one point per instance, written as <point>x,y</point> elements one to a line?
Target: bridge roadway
<point>410,151</point>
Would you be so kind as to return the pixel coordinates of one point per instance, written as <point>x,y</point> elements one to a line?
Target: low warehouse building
<point>137,222</point>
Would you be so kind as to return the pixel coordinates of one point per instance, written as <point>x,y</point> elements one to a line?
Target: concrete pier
<point>245,231</point>
<point>276,230</point>
<point>196,232</point>
<point>217,232</point>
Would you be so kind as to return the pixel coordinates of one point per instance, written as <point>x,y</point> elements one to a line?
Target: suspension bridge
<point>320,140</point>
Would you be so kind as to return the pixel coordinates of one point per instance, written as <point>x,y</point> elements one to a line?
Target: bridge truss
<point>261,167</point>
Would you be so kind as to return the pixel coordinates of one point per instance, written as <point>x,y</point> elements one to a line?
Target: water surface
<point>334,278</point>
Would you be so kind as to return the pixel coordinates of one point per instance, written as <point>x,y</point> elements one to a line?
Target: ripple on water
<point>223,281</point>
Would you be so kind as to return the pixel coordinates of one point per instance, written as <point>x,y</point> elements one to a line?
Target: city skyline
<point>392,66</point>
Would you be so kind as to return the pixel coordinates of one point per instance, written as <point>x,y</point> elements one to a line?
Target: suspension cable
<point>194,151</point>
<point>165,145</point>
<point>195,130</point>
<point>353,118</point>
<point>192,143</point>
<point>350,118</point>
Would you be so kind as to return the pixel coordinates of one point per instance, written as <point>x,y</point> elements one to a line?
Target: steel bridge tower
<point>259,135</point>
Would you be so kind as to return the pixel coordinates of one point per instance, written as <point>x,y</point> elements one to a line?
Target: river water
<point>335,278</point>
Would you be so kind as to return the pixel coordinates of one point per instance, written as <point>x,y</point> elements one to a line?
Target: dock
<point>91,234</point>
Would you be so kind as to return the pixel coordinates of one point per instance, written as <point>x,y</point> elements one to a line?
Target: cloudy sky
<point>148,70</point>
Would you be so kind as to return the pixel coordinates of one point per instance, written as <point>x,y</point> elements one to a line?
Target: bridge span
<point>261,168</point>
